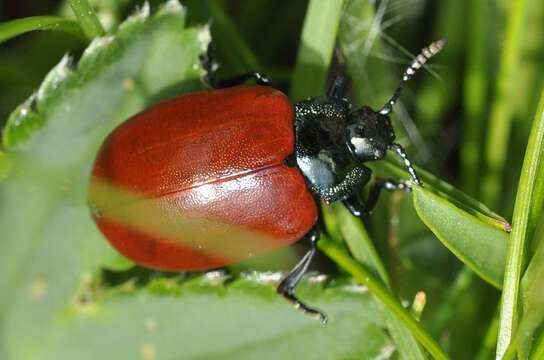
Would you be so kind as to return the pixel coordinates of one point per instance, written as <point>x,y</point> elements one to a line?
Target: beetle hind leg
<point>287,286</point>
<point>209,78</point>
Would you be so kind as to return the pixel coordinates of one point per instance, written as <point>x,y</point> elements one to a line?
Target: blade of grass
<point>537,201</point>
<point>364,251</point>
<point>539,348</point>
<point>87,18</point>
<point>316,47</point>
<point>375,286</point>
<point>13,28</point>
<point>447,309</point>
<point>501,110</point>
<point>516,246</point>
<point>474,94</point>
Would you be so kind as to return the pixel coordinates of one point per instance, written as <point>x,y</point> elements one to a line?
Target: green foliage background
<point>473,118</point>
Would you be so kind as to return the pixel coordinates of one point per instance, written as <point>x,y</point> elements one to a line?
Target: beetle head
<point>369,134</point>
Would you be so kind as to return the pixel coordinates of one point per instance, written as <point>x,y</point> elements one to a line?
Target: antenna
<point>400,151</point>
<point>425,54</point>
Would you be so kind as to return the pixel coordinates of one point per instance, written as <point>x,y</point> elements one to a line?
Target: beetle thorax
<point>321,147</point>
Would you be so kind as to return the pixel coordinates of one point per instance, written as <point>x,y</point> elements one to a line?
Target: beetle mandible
<point>243,156</point>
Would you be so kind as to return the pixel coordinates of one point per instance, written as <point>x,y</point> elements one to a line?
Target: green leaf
<point>13,28</point>
<point>87,18</point>
<point>205,319</point>
<point>21,124</point>
<point>474,233</point>
<point>50,244</point>
<point>5,161</point>
<point>316,47</point>
<point>393,166</point>
<point>481,246</point>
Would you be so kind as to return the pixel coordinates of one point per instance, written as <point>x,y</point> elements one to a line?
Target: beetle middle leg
<point>358,209</point>
<point>212,81</point>
<point>288,285</point>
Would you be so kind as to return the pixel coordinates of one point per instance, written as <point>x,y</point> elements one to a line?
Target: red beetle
<point>208,179</point>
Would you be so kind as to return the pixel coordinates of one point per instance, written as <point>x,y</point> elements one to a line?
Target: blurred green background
<point>465,118</point>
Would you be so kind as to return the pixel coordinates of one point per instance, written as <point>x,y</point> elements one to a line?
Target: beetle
<point>245,157</point>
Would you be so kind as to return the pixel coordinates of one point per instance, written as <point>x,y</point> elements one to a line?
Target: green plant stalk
<point>501,110</point>
<point>13,28</point>
<point>87,18</point>
<point>316,47</point>
<point>516,245</point>
<point>474,94</point>
<point>361,248</point>
<point>512,349</point>
<point>375,286</point>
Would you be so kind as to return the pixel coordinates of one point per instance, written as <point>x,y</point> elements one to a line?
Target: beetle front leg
<point>355,179</point>
<point>287,286</point>
<point>210,79</point>
<point>358,209</point>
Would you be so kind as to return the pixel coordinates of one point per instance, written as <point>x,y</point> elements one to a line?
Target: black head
<point>369,134</point>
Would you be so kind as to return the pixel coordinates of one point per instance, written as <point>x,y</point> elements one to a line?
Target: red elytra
<point>216,156</point>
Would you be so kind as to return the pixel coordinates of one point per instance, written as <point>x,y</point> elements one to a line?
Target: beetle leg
<point>357,209</point>
<point>354,206</point>
<point>355,179</point>
<point>210,79</point>
<point>260,79</point>
<point>387,184</point>
<point>288,285</point>
<point>338,87</point>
